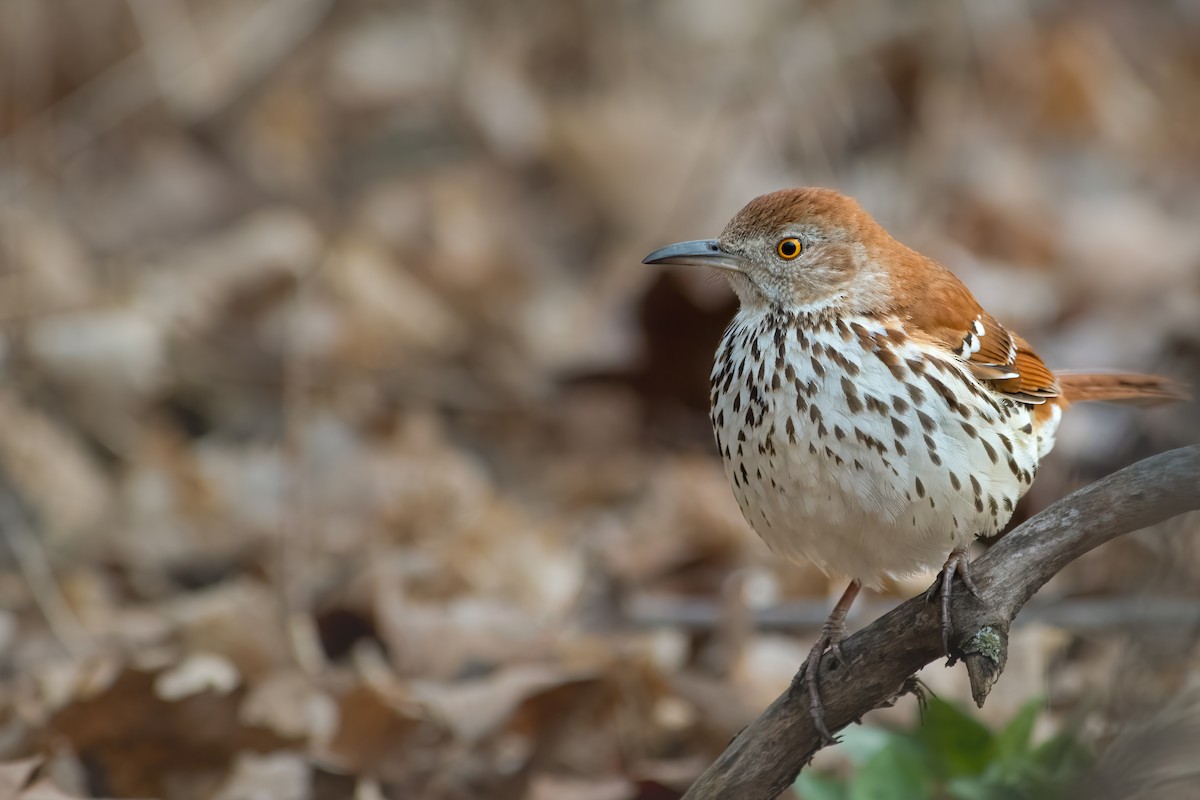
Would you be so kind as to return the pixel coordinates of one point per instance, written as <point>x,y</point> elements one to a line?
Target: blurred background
<point>347,449</point>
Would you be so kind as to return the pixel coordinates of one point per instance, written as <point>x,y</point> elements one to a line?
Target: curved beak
<point>697,253</point>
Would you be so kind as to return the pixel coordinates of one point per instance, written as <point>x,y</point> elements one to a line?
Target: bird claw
<point>808,677</point>
<point>835,647</point>
<point>958,563</point>
<point>832,634</point>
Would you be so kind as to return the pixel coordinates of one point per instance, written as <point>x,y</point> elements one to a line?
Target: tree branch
<point>764,759</point>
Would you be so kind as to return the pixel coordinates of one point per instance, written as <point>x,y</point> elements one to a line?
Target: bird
<point>872,417</point>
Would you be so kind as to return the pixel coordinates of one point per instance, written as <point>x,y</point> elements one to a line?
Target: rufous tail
<point>1128,388</point>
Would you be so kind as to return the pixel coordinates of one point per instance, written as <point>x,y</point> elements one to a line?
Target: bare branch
<point>764,759</point>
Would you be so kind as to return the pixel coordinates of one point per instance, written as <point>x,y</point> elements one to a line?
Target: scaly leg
<point>832,633</point>
<point>958,563</point>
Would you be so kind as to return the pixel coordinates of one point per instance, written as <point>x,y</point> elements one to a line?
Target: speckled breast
<point>854,446</point>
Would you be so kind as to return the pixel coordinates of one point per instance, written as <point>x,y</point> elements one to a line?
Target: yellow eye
<point>788,248</point>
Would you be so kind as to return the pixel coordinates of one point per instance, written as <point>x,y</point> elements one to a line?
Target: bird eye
<point>788,248</point>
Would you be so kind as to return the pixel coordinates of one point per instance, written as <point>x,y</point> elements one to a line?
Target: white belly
<point>834,459</point>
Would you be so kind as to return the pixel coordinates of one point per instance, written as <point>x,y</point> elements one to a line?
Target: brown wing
<point>1001,359</point>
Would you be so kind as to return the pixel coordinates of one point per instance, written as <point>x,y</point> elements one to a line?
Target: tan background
<point>345,442</point>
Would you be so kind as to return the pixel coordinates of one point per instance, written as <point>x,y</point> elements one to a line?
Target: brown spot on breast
<point>937,363</point>
<point>864,336</point>
<point>869,440</point>
<point>946,394</point>
<point>852,401</point>
<point>888,356</point>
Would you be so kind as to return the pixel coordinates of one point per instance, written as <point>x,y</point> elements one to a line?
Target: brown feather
<point>947,312</point>
<point>1120,387</point>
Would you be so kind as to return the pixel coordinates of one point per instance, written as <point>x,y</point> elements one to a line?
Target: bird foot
<point>959,563</point>
<point>832,634</point>
<point>809,677</point>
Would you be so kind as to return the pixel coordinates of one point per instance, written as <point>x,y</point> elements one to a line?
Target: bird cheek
<point>816,281</point>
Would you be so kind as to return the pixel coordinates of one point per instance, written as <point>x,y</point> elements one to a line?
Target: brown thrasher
<point>872,417</point>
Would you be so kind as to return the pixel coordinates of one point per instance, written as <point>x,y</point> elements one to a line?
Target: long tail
<point>1120,387</point>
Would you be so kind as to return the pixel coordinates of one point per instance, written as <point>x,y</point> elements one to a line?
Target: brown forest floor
<point>346,446</point>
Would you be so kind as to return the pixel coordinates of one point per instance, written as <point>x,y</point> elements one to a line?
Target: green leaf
<point>860,743</point>
<point>898,772</point>
<point>957,744</point>
<point>817,787</point>
<point>1012,743</point>
<point>980,789</point>
<point>1063,754</point>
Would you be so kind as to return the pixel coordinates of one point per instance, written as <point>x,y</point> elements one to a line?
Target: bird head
<point>797,250</point>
